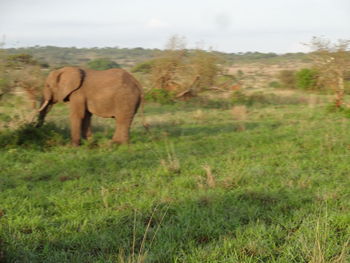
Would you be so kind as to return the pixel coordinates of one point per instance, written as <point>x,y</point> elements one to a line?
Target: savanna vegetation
<point>238,171</point>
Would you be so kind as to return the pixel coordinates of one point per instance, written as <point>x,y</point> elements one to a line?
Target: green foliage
<point>239,98</point>
<point>144,67</point>
<point>306,79</point>
<point>161,96</point>
<point>343,110</point>
<point>168,70</point>
<point>102,64</point>
<point>287,79</point>
<point>275,84</point>
<point>20,60</point>
<point>20,70</point>
<point>44,65</point>
<point>182,70</point>
<point>265,99</point>
<point>205,66</point>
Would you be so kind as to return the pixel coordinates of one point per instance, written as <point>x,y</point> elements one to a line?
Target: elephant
<point>112,93</point>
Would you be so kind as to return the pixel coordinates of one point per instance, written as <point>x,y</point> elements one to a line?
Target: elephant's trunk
<point>43,110</point>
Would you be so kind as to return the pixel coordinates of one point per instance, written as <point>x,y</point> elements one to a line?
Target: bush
<point>102,64</point>
<point>287,79</point>
<point>306,79</point>
<point>260,98</point>
<point>161,96</point>
<point>240,98</point>
<point>275,84</point>
<point>144,67</point>
<point>343,110</point>
<point>20,60</point>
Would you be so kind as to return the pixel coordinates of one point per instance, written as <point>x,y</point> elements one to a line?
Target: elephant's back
<point>112,90</point>
<point>117,78</point>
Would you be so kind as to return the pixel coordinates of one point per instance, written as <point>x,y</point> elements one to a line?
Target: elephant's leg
<point>86,126</point>
<point>77,114</point>
<point>76,124</point>
<point>123,123</point>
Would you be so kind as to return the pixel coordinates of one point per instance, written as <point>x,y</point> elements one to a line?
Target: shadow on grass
<point>50,134</point>
<point>46,136</point>
<point>173,229</point>
<point>169,130</point>
<point>193,104</point>
<point>29,136</point>
<point>255,99</point>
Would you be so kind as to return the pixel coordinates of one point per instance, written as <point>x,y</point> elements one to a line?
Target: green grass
<point>201,186</point>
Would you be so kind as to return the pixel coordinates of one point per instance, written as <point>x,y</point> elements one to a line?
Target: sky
<point>225,25</point>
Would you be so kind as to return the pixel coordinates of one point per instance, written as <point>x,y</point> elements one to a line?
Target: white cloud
<point>156,23</point>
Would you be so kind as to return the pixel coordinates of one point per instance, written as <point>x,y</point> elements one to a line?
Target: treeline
<point>266,57</point>
<point>61,56</point>
<point>128,57</point>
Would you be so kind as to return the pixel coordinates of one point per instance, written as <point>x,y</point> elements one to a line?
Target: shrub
<point>275,84</point>
<point>161,96</point>
<point>102,64</point>
<point>287,79</point>
<point>144,67</point>
<point>240,98</point>
<point>260,98</point>
<point>20,60</point>
<point>306,79</point>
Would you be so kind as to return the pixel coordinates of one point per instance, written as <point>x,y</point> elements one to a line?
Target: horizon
<point>155,49</point>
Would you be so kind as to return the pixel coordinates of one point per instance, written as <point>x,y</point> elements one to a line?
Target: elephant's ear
<point>68,80</point>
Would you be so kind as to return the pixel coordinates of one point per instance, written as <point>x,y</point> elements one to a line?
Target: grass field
<point>267,182</point>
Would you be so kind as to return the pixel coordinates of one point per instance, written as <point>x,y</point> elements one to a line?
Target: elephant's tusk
<point>43,106</point>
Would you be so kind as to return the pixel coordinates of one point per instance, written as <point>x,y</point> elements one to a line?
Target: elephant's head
<point>58,86</point>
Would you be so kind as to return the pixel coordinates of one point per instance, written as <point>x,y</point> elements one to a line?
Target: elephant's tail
<point>142,102</point>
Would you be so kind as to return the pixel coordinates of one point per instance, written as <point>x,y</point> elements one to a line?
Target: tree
<point>19,61</point>
<point>182,70</point>
<point>21,70</point>
<point>166,70</point>
<point>205,66</point>
<point>307,79</point>
<point>102,64</point>
<point>31,79</point>
<point>332,60</point>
